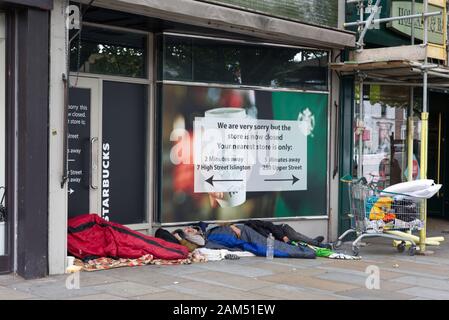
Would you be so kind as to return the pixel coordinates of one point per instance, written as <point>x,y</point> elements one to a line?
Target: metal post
<point>412,26</point>
<point>360,129</point>
<point>390,19</point>
<point>410,131</point>
<point>367,25</point>
<point>424,132</point>
<point>362,18</point>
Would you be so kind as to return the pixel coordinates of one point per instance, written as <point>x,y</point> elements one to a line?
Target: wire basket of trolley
<point>378,213</point>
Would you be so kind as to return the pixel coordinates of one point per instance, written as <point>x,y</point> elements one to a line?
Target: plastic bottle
<point>270,247</point>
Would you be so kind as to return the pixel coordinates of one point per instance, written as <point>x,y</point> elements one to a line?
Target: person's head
<point>193,230</point>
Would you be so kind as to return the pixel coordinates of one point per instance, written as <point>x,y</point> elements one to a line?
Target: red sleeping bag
<point>90,237</point>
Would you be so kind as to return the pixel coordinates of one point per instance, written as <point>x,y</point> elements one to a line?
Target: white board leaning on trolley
<point>422,189</point>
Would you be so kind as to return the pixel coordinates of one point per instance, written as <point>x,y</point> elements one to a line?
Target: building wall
<point>58,195</point>
<point>2,100</point>
<point>318,12</point>
<point>57,238</point>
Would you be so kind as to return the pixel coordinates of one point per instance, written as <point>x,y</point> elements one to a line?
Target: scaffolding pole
<point>410,123</point>
<point>360,129</point>
<point>424,134</point>
<point>410,131</point>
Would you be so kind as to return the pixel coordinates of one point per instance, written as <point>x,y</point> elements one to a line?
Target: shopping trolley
<point>375,212</point>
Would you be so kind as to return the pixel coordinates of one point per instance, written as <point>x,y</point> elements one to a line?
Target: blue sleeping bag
<point>224,238</point>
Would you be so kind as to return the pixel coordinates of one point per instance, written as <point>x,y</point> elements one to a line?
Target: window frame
<point>159,66</point>
<point>159,82</point>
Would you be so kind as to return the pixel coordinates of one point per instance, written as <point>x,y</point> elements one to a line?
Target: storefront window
<point>306,113</point>
<point>380,135</point>
<point>109,52</point>
<point>225,62</point>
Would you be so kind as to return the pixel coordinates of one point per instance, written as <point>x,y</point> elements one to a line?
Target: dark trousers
<point>293,235</point>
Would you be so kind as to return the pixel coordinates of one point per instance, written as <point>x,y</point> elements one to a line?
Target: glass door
<point>83,145</point>
<point>107,149</point>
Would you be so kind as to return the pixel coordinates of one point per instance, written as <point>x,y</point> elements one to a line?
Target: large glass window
<point>227,62</point>
<point>380,134</point>
<point>107,51</point>
<point>180,105</point>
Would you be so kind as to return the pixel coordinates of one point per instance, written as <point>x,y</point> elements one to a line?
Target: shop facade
<point>112,124</point>
<point>139,75</point>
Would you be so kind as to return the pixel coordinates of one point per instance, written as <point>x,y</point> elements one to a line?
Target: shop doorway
<point>107,146</point>
<point>438,158</point>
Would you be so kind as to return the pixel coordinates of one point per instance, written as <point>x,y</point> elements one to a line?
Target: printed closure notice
<point>232,154</point>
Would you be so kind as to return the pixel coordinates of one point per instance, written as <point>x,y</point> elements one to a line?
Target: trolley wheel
<point>401,247</point>
<point>412,250</point>
<point>337,244</point>
<point>355,251</point>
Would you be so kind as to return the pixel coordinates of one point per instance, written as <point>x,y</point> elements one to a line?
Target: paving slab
<point>214,292</point>
<point>384,274</point>
<point>278,266</point>
<point>178,270</point>
<point>9,279</point>
<point>287,292</point>
<point>426,293</point>
<point>228,280</point>
<point>309,282</point>
<point>100,296</point>
<point>360,280</point>
<point>126,289</point>
<point>424,282</point>
<point>367,294</point>
<point>53,290</point>
<point>96,278</point>
<point>11,294</point>
<point>168,295</point>
<point>144,275</point>
<point>232,267</point>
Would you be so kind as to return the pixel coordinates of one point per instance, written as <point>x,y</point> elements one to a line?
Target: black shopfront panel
<point>123,152</point>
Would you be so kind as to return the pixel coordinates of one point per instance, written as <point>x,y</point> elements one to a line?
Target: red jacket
<point>90,236</point>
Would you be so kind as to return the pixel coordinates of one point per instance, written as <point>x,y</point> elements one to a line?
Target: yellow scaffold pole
<point>410,139</point>
<point>423,175</point>
<point>424,131</point>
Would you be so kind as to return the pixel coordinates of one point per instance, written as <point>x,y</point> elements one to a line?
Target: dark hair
<point>197,228</point>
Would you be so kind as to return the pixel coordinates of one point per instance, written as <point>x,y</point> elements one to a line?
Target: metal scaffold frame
<point>407,70</point>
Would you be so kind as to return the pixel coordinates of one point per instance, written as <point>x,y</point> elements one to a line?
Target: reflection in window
<point>111,52</point>
<point>213,61</point>
<point>382,145</point>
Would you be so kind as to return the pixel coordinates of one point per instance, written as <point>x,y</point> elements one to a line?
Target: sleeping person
<point>243,238</point>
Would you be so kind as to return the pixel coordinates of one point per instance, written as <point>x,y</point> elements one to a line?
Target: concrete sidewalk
<point>401,277</point>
